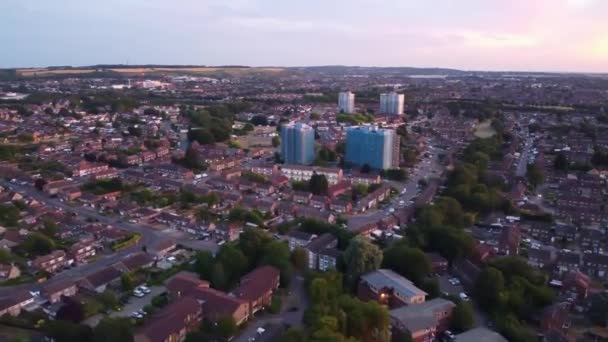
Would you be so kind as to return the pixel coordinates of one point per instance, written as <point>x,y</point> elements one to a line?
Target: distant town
<point>167,203</point>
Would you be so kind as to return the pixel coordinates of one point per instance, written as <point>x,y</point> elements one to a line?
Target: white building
<point>392,103</point>
<point>346,102</point>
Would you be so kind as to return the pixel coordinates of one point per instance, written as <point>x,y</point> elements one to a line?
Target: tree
<point>318,184</point>
<point>361,256</point>
<point>219,279</point>
<point>108,299</point>
<point>113,329</point>
<point>38,244</point>
<point>276,253</point>
<point>65,331</point>
<point>561,162</point>
<point>411,263</point>
<point>462,317</point>
<point>252,243</point>
<point>488,288</point>
<point>193,160</point>
<point>72,311</point>
<point>276,141</point>
<point>318,291</point>
<point>598,311</point>
<point>39,184</point>
<point>293,335</point>
<point>203,264</point>
<point>535,175</point>
<point>234,263</point>
<point>127,282</point>
<point>259,120</point>
<point>299,258</point>
<point>396,174</point>
<point>226,327</point>
<point>366,168</point>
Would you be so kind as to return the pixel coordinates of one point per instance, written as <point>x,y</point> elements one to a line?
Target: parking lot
<point>134,304</point>
<point>446,287</point>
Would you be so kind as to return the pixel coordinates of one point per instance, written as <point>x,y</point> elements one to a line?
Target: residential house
<point>99,281</point>
<point>424,321</point>
<point>389,288</point>
<point>50,262</point>
<point>257,287</point>
<point>54,291</point>
<point>568,261</point>
<point>542,258</point>
<point>508,242</point>
<point>439,264</point>
<point>134,262</point>
<point>298,238</point>
<point>163,247</point>
<point>172,323</point>
<point>13,304</point>
<point>480,334</point>
<point>82,250</point>
<point>9,271</point>
<point>576,284</point>
<point>318,245</point>
<point>555,317</point>
<point>596,264</point>
<point>227,232</point>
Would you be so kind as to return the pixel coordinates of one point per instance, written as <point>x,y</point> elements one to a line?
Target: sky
<point>515,35</point>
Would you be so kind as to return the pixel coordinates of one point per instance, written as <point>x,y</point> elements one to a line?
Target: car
<point>463,296</point>
<point>144,289</point>
<point>136,315</point>
<point>138,294</point>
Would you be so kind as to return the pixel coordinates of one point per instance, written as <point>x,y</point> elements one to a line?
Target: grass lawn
<point>484,130</point>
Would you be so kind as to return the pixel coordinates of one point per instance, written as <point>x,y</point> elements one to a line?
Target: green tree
<point>488,288</point>
<point>276,141</point>
<point>234,263</point>
<point>64,331</point>
<point>318,184</point>
<point>411,263</point>
<point>598,311</point>
<point>72,310</point>
<point>293,335</point>
<point>299,258</point>
<point>108,299</point>
<point>361,256</point>
<point>219,279</point>
<point>535,175</point>
<point>561,162</point>
<point>113,329</point>
<point>276,253</point>
<point>252,243</point>
<point>203,264</point>
<point>226,327</point>
<point>462,317</point>
<point>38,244</point>
<point>127,282</point>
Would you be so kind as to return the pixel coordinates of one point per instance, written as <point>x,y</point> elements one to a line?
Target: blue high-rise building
<point>376,147</point>
<point>297,144</point>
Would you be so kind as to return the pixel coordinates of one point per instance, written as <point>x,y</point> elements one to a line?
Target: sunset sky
<point>527,35</point>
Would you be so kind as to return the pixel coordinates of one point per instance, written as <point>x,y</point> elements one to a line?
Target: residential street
<point>150,236</point>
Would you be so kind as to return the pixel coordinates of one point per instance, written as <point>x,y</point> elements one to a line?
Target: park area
<point>484,130</point>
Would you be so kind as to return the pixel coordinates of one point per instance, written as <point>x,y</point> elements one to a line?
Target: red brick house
<point>257,287</point>
<point>172,323</point>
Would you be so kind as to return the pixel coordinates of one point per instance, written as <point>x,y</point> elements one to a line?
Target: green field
<point>485,130</point>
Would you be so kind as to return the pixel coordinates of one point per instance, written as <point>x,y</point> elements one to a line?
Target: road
<point>427,167</point>
<point>522,164</point>
<point>455,290</point>
<point>150,236</point>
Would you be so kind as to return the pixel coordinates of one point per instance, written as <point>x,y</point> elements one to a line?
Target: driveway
<point>134,304</point>
<point>455,290</point>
